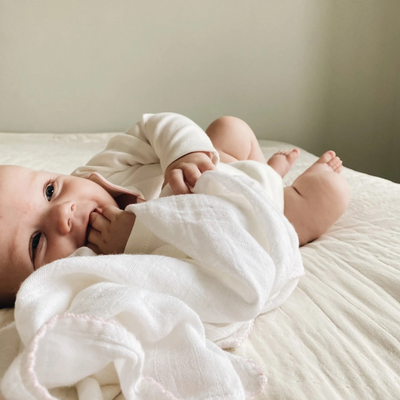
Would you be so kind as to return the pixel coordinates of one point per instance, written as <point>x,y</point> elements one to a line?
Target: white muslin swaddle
<point>160,321</point>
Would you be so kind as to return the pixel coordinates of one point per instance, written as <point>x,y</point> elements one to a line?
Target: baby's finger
<point>206,165</point>
<point>191,174</point>
<point>98,221</point>
<point>95,239</point>
<point>177,182</point>
<point>111,212</point>
<point>93,247</point>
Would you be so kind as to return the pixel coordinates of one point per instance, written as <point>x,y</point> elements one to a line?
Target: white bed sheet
<point>337,337</point>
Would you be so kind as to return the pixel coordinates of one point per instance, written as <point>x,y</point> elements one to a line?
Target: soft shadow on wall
<point>363,96</point>
<point>318,74</point>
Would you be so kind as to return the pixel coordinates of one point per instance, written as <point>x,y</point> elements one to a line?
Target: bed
<point>337,336</point>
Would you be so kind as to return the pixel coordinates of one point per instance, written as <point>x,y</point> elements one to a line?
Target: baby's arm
<point>232,138</point>
<point>140,157</point>
<point>183,174</point>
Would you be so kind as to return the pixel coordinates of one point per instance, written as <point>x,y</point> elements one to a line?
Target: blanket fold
<point>162,320</point>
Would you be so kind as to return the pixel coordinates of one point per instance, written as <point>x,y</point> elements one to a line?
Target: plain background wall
<point>363,97</point>
<point>316,73</point>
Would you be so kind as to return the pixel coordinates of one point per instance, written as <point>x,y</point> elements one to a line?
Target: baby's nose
<point>63,216</point>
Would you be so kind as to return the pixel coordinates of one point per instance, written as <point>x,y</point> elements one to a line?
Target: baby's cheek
<point>61,250</point>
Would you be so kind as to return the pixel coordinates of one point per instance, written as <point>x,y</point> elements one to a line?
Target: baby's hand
<point>109,230</point>
<point>183,173</point>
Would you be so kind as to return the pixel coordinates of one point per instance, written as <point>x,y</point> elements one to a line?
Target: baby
<point>46,216</point>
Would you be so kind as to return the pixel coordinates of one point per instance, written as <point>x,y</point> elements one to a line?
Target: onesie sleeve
<point>156,139</point>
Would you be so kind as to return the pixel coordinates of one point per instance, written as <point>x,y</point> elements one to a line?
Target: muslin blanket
<point>156,325</point>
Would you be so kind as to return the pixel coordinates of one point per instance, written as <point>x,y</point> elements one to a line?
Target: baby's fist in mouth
<point>109,230</point>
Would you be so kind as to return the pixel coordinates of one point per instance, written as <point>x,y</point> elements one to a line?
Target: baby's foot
<point>329,161</point>
<point>283,160</point>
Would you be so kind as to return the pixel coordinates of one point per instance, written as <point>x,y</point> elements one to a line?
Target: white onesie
<point>134,163</point>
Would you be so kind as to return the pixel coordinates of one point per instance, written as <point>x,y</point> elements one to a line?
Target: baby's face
<point>43,217</point>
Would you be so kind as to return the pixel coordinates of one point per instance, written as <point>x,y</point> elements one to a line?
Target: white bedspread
<point>338,334</point>
<point>156,319</point>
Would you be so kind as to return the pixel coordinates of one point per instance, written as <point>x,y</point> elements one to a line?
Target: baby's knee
<point>228,123</point>
<point>232,136</point>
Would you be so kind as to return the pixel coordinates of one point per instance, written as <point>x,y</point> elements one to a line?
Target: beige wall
<point>317,73</point>
<point>363,97</point>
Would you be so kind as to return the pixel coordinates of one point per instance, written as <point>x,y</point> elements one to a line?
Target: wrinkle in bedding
<point>337,336</point>
<point>347,341</point>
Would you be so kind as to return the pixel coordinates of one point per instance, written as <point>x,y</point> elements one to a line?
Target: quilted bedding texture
<point>337,336</point>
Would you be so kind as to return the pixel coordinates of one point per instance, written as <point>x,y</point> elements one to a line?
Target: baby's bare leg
<point>317,198</point>
<point>234,140</point>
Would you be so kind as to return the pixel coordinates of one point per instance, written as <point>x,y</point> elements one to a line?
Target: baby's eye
<point>49,192</point>
<point>35,243</point>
